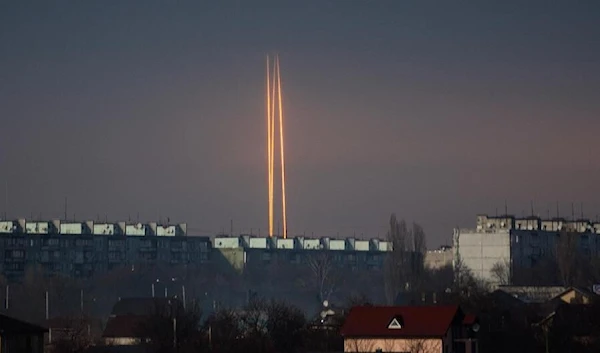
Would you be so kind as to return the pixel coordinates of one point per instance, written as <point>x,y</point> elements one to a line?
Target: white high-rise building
<point>518,242</point>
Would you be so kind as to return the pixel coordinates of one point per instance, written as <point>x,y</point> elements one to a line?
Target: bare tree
<point>419,239</point>
<point>224,331</point>
<point>359,345</point>
<point>357,300</point>
<point>421,345</point>
<point>286,326</point>
<point>501,272</point>
<point>322,267</point>
<point>465,282</point>
<point>396,274</point>
<point>418,256</point>
<point>404,267</point>
<point>254,318</point>
<point>173,329</point>
<point>74,337</point>
<point>566,257</point>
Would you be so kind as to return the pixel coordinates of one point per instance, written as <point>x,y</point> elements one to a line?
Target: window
<point>18,254</point>
<point>116,243</point>
<point>83,242</point>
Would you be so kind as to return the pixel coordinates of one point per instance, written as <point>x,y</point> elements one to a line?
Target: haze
<point>433,111</point>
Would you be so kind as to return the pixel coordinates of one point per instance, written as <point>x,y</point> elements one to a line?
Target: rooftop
<point>400,321</point>
<point>14,326</point>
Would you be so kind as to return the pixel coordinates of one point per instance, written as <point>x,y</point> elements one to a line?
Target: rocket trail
<point>269,151</point>
<point>282,153</point>
<point>274,97</point>
<point>272,108</point>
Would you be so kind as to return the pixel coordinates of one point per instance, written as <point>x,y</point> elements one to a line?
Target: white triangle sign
<point>394,324</point>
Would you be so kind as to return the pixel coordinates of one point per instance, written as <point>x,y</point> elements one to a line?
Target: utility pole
<point>81,301</point>
<point>48,317</point>
<point>6,199</point>
<point>7,296</point>
<point>183,295</point>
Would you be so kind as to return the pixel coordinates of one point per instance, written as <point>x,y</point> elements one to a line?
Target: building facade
<point>519,243</point>
<point>83,249</point>
<point>351,253</point>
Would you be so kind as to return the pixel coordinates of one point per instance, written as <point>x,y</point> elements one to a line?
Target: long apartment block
<point>85,249</point>
<point>300,243</point>
<point>245,251</point>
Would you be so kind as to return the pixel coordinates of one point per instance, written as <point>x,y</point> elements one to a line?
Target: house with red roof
<point>414,329</point>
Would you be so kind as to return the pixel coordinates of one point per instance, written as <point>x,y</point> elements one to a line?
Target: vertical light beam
<point>269,151</point>
<point>281,144</point>
<point>272,107</point>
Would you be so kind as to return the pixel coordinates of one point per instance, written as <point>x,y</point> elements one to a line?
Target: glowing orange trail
<point>272,142</point>
<point>284,214</point>
<point>274,97</point>
<point>269,150</point>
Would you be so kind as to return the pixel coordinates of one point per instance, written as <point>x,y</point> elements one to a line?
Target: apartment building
<point>519,242</point>
<point>82,249</point>
<point>351,253</point>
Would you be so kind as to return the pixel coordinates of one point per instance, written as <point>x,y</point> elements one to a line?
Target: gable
<point>401,321</point>
<point>396,323</point>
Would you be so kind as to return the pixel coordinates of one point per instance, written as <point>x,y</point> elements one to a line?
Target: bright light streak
<point>282,153</point>
<point>274,87</point>
<point>269,150</point>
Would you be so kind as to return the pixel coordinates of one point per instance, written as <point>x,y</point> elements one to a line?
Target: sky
<point>435,111</point>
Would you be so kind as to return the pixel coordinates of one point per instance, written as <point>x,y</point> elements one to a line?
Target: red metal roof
<point>417,321</point>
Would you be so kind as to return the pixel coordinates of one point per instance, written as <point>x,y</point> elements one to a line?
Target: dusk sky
<point>434,111</point>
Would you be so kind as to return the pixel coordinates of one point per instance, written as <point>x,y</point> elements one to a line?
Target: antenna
<point>505,208</point>
<point>557,211</point>
<point>581,209</point>
<point>66,203</point>
<point>6,199</point>
<point>532,213</point>
<point>572,211</point>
